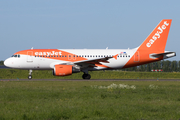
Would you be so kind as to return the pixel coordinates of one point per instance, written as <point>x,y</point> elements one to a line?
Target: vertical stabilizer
<point>156,41</point>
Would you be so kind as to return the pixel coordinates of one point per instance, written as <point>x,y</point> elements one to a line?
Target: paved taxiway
<point>3,67</point>
<point>90,80</point>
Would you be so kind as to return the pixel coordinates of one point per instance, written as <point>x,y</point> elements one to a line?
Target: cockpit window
<point>16,56</point>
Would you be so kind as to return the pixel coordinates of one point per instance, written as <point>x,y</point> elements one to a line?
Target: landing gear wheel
<point>29,77</point>
<point>86,76</point>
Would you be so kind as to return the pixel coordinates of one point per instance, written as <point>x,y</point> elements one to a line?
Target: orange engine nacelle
<point>62,70</point>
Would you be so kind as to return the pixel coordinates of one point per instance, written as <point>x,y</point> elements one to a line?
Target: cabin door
<point>30,56</point>
<point>137,56</point>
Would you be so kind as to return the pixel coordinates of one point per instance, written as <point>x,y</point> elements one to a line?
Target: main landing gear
<point>30,75</point>
<point>86,76</point>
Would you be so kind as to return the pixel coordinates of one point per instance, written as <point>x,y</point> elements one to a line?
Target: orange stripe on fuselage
<point>100,65</point>
<point>143,59</point>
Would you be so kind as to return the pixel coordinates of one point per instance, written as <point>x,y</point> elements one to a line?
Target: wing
<point>87,63</point>
<point>94,62</point>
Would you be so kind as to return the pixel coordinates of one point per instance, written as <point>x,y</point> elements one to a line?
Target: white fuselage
<point>37,62</point>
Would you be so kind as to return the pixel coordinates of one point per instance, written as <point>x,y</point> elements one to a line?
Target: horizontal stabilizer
<point>165,55</point>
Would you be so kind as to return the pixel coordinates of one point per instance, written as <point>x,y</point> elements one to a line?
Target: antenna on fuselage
<point>32,48</point>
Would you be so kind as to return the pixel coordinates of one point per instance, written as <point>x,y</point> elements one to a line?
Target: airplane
<point>64,62</point>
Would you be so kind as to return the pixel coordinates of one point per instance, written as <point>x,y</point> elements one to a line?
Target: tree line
<point>165,65</point>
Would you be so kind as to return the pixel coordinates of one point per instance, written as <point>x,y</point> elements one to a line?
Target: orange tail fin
<point>154,44</point>
<point>156,41</point>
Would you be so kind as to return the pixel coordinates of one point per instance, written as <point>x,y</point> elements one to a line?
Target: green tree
<point>159,64</point>
<point>174,66</point>
<point>148,67</point>
<point>1,62</point>
<point>167,66</point>
<point>178,65</point>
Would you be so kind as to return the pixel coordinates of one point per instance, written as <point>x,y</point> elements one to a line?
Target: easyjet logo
<point>48,53</point>
<point>157,34</point>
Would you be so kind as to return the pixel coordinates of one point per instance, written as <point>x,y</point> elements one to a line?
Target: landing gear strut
<point>86,76</point>
<point>30,75</point>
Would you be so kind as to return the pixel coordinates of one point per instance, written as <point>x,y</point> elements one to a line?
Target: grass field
<point>47,74</point>
<point>94,100</point>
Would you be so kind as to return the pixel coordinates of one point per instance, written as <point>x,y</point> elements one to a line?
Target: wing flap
<point>94,61</point>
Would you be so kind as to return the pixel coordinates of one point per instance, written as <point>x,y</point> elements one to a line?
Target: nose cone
<point>8,62</point>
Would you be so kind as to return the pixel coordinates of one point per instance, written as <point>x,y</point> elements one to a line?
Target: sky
<point>79,24</point>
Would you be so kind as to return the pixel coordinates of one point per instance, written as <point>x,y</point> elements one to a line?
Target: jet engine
<point>65,70</point>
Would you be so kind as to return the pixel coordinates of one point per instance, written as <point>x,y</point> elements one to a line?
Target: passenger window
<point>18,56</point>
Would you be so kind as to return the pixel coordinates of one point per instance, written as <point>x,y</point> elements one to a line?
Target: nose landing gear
<point>30,75</point>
